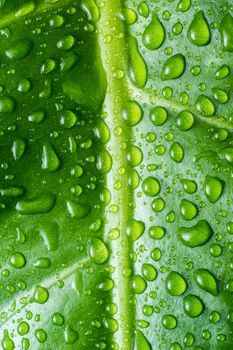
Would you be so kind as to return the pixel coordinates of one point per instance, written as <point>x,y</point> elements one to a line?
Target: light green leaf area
<point>116,188</point>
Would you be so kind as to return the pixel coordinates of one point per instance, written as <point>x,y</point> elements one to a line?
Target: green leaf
<point>116,175</point>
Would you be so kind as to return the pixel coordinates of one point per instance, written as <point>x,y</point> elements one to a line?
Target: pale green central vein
<point>113,51</point>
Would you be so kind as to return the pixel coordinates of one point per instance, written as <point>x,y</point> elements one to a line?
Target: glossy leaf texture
<point>116,156</point>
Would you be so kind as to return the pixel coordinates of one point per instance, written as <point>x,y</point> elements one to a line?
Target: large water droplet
<point>226,32</point>
<point>154,34</point>
<point>175,284</point>
<point>151,186</point>
<point>196,235</point>
<point>49,232</point>
<point>20,49</point>
<point>199,32</point>
<point>132,113</point>
<point>36,205</point>
<point>137,66</point>
<point>188,210</point>
<point>77,210</point>
<point>193,306</point>
<point>50,160</point>
<point>7,104</point>
<point>205,106</point>
<point>91,9</point>
<point>98,251</point>
<point>213,188</point>
<point>183,5</point>
<point>206,281</point>
<point>140,342</point>
<point>174,67</point>
<point>18,149</point>
<point>176,152</point>
<point>41,295</point>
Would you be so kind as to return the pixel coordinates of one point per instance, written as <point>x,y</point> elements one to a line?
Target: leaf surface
<point>116,175</point>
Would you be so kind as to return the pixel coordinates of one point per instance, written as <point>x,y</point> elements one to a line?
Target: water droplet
<point>213,188</point>
<point>23,328</point>
<point>137,66</point>
<point>226,32</point>
<point>68,119</point>
<point>49,232</point>
<point>175,284</point>
<point>215,250</point>
<point>185,120</point>
<point>143,9</point>
<point>220,95</point>
<point>48,66</point>
<point>50,160</point>
<point>42,263</point>
<point>196,235</point>
<point>149,272</point>
<point>158,115</point>
<point>104,161</point>
<point>183,5</point>
<point>41,335</point>
<point>222,72</point>
<point>7,104</point>
<point>7,342</point>
<point>214,317</point>
<point>138,284</point>
<point>174,67</point>
<point>37,117</point>
<point>77,210</point>
<point>198,31</point>
<point>106,285</point>
<point>140,342</point>
<point>132,113</point>
<point>26,9</point>
<point>41,204</point>
<point>12,192</point>
<point>206,281</point>
<point>176,152</point>
<point>156,232</point>
<point>56,21</point>
<point>193,306</point>
<point>58,319</point>
<point>151,186</point>
<point>98,251</point>
<point>135,230</point>
<point>41,295</point>
<point>20,49</point>
<point>169,322</point>
<point>68,62</point>
<point>24,85</point>
<point>134,156</point>
<point>188,210</point>
<point>156,254</point>
<point>91,9</point>
<point>17,260</point>
<point>205,106</point>
<point>154,35</point>
<point>189,186</point>
<point>66,43</point>
<point>158,205</point>
<point>129,16</point>
<point>18,149</point>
